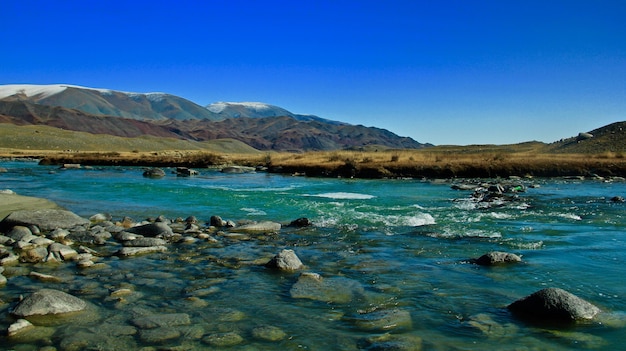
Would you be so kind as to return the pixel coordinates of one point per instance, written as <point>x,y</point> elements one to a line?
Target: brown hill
<point>607,139</point>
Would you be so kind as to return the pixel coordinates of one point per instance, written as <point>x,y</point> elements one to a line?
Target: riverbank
<point>437,162</point>
<point>10,202</point>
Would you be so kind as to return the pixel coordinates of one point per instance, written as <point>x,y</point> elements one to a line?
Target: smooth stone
<point>45,219</point>
<point>384,320</point>
<point>154,173</point>
<point>159,335</point>
<point>48,301</point>
<point>396,342</point>
<point>285,260</point>
<point>133,251</point>
<point>66,252</point>
<point>553,304</point>
<point>161,320</point>
<point>152,230</point>
<point>44,277</point>
<point>336,289</point>
<point>19,326</point>
<point>34,255</point>
<point>258,228</point>
<point>269,333</point>
<point>20,233</point>
<point>3,280</point>
<point>145,242</point>
<point>223,339</point>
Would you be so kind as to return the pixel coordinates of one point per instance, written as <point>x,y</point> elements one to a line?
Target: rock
<point>301,222</point>
<point>496,257</point>
<point>71,166</point>
<point>584,136</point>
<point>555,305</point>
<point>335,289</point>
<point>159,229</point>
<point>19,326</point>
<point>185,172</point>
<point>154,173</point>
<point>238,169</point>
<point>3,280</point>
<point>258,228</point>
<point>45,277</point>
<point>384,320</point>
<point>217,221</point>
<point>34,255</point>
<point>48,301</point>
<point>133,251</point>
<point>145,242</point>
<point>162,320</point>
<point>618,199</point>
<point>223,339</point>
<point>269,333</point>
<point>286,260</point>
<point>159,335</point>
<point>20,233</point>
<point>46,219</point>
<point>396,342</point>
<point>100,217</point>
<point>64,251</point>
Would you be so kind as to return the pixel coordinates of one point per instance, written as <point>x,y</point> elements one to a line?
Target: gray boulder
<point>286,260</point>
<point>312,286</point>
<point>46,219</point>
<point>497,258</point>
<point>48,301</point>
<point>145,242</point>
<point>217,221</point>
<point>156,229</point>
<point>154,173</point>
<point>258,228</point>
<point>134,251</point>
<point>553,305</point>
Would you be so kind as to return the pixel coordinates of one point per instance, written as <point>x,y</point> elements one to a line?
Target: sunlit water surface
<point>389,245</point>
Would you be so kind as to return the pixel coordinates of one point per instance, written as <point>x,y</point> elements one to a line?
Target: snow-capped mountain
<point>105,111</point>
<point>106,102</point>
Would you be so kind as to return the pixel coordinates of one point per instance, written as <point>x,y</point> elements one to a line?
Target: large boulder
<point>286,260</point>
<point>48,301</point>
<point>553,305</point>
<point>154,173</point>
<point>156,229</point>
<point>45,219</point>
<point>313,286</point>
<point>258,228</point>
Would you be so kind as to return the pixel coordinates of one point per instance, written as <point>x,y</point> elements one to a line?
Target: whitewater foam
<point>345,196</point>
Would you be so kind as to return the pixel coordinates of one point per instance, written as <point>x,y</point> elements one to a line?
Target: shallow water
<point>397,246</point>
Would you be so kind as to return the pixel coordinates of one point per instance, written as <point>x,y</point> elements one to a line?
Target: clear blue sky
<point>444,72</point>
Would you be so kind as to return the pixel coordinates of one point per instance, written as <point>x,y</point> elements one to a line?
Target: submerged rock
<point>46,219</point>
<point>154,173</point>
<point>286,260</point>
<point>48,301</point>
<point>496,258</point>
<point>555,305</point>
<point>258,228</point>
<point>335,289</point>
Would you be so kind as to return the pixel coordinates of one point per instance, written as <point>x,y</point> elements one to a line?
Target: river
<point>399,249</point>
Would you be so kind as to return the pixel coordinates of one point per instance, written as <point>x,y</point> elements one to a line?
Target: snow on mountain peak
<point>218,107</point>
<point>45,91</point>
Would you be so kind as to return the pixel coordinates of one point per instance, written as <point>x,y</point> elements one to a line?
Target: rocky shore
<point>43,236</point>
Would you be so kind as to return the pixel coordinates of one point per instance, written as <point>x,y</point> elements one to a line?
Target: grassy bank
<point>437,162</point>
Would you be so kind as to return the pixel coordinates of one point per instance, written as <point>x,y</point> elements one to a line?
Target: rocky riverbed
<point>79,283</point>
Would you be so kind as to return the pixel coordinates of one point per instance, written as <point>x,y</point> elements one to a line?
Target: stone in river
<point>223,339</point>
<point>132,251</point>
<point>555,305</point>
<point>384,320</point>
<point>46,219</point>
<point>335,289</point>
<point>19,326</point>
<point>159,229</point>
<point>269,333</point>
<point>286,260</point>
<point>258,228</point>
<point>161,320</point>
<point>48,301</point>
<point>496,258</point>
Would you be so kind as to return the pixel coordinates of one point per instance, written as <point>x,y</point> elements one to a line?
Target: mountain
<point>150,106</point>
<point>262,126</point>
<point>609,138</point>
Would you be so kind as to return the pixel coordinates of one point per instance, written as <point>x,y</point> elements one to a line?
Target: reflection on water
<point>389,263</point>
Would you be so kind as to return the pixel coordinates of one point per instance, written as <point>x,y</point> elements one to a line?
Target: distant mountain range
<point>262,126</point>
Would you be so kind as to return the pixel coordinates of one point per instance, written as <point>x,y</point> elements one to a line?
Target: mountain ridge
<point>263,126</point>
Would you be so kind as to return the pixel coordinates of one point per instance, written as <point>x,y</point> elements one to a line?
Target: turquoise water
<point>398,246</point>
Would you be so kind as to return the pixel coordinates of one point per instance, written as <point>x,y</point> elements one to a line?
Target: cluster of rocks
<point>46,236</point>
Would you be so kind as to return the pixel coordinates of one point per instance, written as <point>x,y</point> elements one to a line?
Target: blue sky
<point>443,72</point>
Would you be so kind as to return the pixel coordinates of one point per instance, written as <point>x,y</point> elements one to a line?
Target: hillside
<point>607,139</point>
<point>262,126</point>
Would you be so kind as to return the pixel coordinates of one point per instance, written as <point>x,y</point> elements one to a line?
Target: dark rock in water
<point>553,305</point>
<point>154,173</point>
<point>618,199</point>
<point>286,260</point>
<point>48,301</point>
<point>496,257</point>
<point>47,219</point>
<point>301,222</point>
<point>159,229</point>
<point>334,289</point>
<point>185,172</point>
<point>217,221</point>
